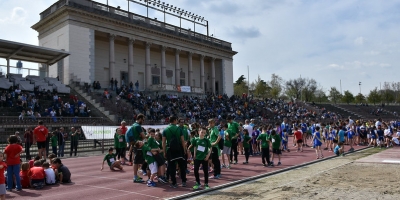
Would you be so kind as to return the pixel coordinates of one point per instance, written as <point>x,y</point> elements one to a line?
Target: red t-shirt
<point>36,173</point>
<point>123,129</point>
<point>31,163</point>
<point>2,178</point>
<point>12,150</point>
<point>298,135</point>
<point>41,133</point>
<point>25,182</point>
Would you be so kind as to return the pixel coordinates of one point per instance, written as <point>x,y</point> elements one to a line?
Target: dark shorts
<point>41,145</point>
<point>276,151</point>
<point>299,141</point>
<point>139,159</point>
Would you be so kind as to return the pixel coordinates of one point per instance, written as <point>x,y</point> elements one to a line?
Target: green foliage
<point>276,86</point>
<point>348,97</point>
<point>360,98</point>
<point>260,87</point>
<point>309,89</point>
<point>334,95</point>
<point>239,89</point>
<point>374,96</point>
<point>240,80</point>
<point>294,87</point>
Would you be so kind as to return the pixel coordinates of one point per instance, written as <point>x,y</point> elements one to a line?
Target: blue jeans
<point>61,150</point>
<point>13,170</point>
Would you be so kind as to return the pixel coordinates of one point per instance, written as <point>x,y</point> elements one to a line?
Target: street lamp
<point>359,84</point>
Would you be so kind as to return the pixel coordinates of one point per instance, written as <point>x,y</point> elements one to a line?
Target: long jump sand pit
<point>338,178</point>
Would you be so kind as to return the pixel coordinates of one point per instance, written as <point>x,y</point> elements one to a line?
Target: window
<point>155,80</point>
<point>182,82</point>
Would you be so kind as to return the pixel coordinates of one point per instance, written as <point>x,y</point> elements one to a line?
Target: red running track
<point>88,182</point>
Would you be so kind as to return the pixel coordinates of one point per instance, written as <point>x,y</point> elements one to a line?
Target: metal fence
<point>88,142</point>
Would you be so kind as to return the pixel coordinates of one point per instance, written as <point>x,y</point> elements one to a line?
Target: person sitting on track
<point>111,160</point>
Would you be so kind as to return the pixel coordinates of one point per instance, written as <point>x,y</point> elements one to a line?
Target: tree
<point>309,89</point>
<point>240,80</point>
<point>359,98</point>
<point>348,97</point>
<point>374,96</point>
<point>276,86</point>
<point>260,87</point>
<point>294,87</point>
<point>334,95</point>
<point>387,93</point>
<point>321,96</point>
<point>239,89</point>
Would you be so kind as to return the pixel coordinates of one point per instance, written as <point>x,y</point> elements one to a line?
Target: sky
<point>339,43</point>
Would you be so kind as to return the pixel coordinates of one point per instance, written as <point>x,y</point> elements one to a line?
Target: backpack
<point>174,143</point>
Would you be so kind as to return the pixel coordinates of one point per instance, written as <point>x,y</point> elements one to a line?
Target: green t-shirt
<point>214,135</point>
<point>264,140</point>
<point>171,129</point>
<point>184,133</point>
<point>74,138</point>
<point>228,138</point>
<point>146,149</point>
<point>246,143</point>
<point>119,141</point>
<point>202,148</point>
<point>234,128</point>
<point>276,141</point>
<point>159,142</point>
<point>152,143</point>
<point>54,140</point>
<point>110,158</point>
<point>192,142</point>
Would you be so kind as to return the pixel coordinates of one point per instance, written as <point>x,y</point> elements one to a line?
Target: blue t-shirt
<point>350,134</point>
<point>341,136</point>
<point>336,150</point>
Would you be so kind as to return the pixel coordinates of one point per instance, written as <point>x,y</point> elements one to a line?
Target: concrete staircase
<point>94,104</point>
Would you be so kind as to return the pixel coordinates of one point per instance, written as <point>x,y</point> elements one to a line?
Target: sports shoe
<point>138,180</point>
<point>279,163</point>
<point>245,162</point>
<point>173,185</point>
<point>183,184</point>
<point>272,164</point>
<point>222,166</point>
<point>215,177</point>
<point>228,167</point>
<point>235,162</point>
<point>206,187</point>
<point>161,180</point>
<point>196,186</point>
<point>151,184</point>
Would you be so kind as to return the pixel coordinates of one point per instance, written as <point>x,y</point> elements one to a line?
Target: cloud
<point>18,16</point>
<point>372,53</point>
<point>244,33</point>
<point>359,41</point>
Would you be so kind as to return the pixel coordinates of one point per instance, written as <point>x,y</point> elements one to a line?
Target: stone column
<point>213,75</point>
<point>148,67</point>
<point>190,64</point>
<point>163,66</point>
<point>112,59</point>
<point>177,67</point>
<point>202,72</point>
<point>130,62</point>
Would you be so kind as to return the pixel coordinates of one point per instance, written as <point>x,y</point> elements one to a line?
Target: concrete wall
<point>57,40</point>
<point>227,73</point>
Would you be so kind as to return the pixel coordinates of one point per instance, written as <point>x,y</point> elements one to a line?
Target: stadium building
<point>105,42</point>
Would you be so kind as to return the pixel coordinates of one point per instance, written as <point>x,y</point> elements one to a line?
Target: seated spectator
<point>63,173</point>
<point>37,175</point>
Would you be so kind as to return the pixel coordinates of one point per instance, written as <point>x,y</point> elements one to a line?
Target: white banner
<point>107,132</point>
<point>185,89</point>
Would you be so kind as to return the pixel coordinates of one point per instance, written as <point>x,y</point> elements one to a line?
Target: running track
<point>88,182</point>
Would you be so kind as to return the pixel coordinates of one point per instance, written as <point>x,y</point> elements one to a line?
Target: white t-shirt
<point>249,128</point>
<point>50,176</point>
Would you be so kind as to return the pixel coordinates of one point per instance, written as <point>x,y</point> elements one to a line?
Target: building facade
<point>106,42</point>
